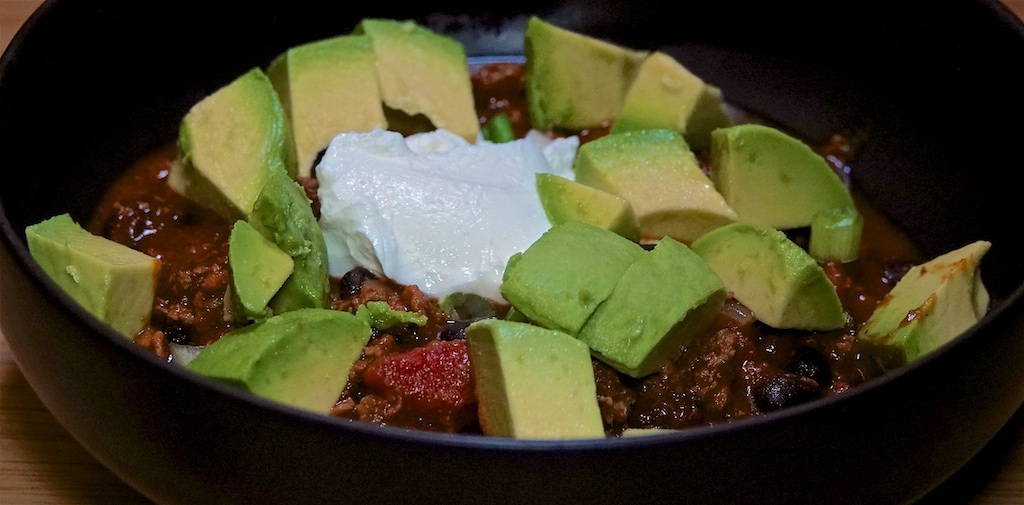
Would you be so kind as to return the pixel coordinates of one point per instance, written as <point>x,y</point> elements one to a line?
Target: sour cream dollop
<point>432,209</point>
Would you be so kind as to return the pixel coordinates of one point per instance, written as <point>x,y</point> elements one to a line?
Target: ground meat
<point>191,303</point>
<point>614,397</point>
<point>405,298</point>
<point>499,89</point>
<point>349,403</point>
<point>142,212</point>
<point>154,341</point>
<point>737,369</point>
<point>698,388</point>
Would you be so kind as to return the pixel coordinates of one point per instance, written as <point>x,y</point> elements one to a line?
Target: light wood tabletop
<point>41,464</point>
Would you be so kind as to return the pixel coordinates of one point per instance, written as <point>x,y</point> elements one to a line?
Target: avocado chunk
<point>380,316</point>
<point>231,141</point>
<point>258,269</point>
<point>327,87</point>
<point>423,72</point>
<point>565,274</point>
<point>301,358</point>
<point>111,281</point>
<point>658,174</point>
<point>773,276</point>
<point>932,303</point>
<point>282,213</point>
<point>772,179</point>
<point>666,95</point>
<point>662,301</point>
<point>574,81</point>
<point>532,382</point>
<point>565,200</point>
<point>836,234</point>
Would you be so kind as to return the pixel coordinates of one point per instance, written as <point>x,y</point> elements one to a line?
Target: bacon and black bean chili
<point>419,377</point>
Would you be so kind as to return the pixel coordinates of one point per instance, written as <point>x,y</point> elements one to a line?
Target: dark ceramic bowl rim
<point>13,240</point>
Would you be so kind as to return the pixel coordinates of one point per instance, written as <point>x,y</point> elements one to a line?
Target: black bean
<point>809,362</point>
<point>894,272</point>
<point>353,280</point>
<point>177,335</point>
<point>454,330</point>
<point>785,390</point>
<point>408,335</point>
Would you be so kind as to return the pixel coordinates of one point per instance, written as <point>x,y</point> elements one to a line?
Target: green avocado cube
<point>773,179</point>
<point>301,358</point>
<point>773,276</point>
<point>658,174</point>
<point>423,72</point>
<point>663,300</point>
<point>932,303</point>
<point>532,382</point>
<point>565,200</point>
<point>327,87</point>
<point>231,141</point>
<point>836,234</point>
<point>282,213</point>
<point>111,281</point>
<point>563,276</point>
<point>258,269</point>
<point>575,81</point>
<point>666,95</point>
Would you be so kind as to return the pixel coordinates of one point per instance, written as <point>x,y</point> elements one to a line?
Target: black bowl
<point>88,87</point>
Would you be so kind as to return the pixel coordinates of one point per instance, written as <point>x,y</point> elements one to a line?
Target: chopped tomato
<point>428,387</point>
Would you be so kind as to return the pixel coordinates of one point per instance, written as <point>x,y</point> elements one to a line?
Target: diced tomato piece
<point>431,386</point>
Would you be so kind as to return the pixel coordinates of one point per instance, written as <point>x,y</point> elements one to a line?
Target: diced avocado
<point>575,81</point>
<point>563,276</point>
<point>301,358</point>
<point>517,316</point>
<point>327,87</point>
<point>258,269</point>
<point>565,200</point>
<point>668,96</point>
<point>659,175</point>
<point>423,72</point>
<point>532,382</point>
<point>836,234</point>
<point>283,215</point>
<point>380,316</point>
<point>113,282</point>
<point>773,179</point>
<point>932,303</point>
<point>774,277</point>
<point>662,301</point>
<point>231,141</point>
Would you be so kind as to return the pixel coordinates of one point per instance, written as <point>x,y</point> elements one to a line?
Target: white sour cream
<point>432,209</point>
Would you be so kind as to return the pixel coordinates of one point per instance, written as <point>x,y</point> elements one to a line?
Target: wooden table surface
<point>41,464</point>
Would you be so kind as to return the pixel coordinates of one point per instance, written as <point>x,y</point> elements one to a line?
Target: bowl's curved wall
<point>78,104</point>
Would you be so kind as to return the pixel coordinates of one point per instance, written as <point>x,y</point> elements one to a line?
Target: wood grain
<point>41,464</point>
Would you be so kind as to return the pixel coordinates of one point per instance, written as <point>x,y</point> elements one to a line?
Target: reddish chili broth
<point>419,377</point>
